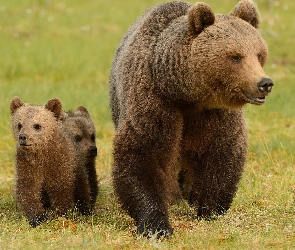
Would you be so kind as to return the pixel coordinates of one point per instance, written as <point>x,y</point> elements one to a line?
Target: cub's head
<point>229,53</point>
<point>35,126</point>
<point>79,126</point>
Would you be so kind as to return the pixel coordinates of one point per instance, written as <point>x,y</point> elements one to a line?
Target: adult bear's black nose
<point>265,85</point>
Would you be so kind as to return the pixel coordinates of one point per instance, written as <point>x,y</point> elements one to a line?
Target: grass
<point>65,49</point>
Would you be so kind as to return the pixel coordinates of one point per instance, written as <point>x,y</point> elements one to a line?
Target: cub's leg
<point>93,182</point>
<point>82,191</point>
<point>60,189</point>
<point>28,196</point>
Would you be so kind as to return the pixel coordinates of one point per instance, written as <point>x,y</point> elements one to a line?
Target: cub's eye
<point>78,138</point>
<point>37,126</point>
<point>236,59</point>
<point>93,137</point>
<point>19,126</point>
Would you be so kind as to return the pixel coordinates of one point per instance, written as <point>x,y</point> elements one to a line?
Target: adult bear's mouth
<point>255,100</point>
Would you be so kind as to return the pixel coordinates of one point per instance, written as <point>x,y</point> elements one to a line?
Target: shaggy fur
<point>81,130</point>
<point>46,160</point>
<point>179,80</point>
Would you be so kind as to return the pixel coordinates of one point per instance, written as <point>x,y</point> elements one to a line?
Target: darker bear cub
<point>46,162</point>
<point>80,128</point>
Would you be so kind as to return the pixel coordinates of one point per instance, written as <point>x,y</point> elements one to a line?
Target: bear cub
<point>80,128</point>
<point>46,162</point>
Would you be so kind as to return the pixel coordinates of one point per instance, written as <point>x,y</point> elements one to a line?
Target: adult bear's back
<point>136,44</point>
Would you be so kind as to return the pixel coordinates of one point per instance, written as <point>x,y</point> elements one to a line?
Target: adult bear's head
<point>228,54</point>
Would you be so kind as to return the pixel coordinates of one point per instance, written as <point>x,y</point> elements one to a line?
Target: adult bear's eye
<point>236,59</point>
<point>93,137</point>
<point>78,138</point>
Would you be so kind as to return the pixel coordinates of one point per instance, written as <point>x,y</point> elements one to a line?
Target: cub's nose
<point>265,85</point>
<point>92,151</point>
<point>22,139</point>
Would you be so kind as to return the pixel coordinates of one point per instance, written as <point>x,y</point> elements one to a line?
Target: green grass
<point>64,50</point>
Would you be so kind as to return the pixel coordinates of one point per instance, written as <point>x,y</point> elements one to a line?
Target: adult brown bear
<point>178,83</point>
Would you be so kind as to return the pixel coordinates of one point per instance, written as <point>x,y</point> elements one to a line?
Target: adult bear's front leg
<point>218,180</point>
<point>215,158</point>
<point>144,173</point>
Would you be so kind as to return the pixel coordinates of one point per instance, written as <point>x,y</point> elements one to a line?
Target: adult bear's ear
<point>248,11</point>
<point>200,16</point>
<point>15,103</point>
<point>82,111</point>
<point>54,105</point>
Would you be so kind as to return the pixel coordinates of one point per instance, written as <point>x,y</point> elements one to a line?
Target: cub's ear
<point>55,106</point>
<point>248,11</point>
<point>82,111</point>
<point>15,103</point>
<point>200,16</point>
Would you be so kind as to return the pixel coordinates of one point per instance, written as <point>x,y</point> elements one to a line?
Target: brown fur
<point>81,130</point>
<point>46,160</point>
<point>179,80</point>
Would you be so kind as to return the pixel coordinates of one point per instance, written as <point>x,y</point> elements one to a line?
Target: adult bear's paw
<point>154,227</point>
<point>36,221</point>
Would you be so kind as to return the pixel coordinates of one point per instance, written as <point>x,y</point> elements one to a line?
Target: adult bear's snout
<point>265,86</point>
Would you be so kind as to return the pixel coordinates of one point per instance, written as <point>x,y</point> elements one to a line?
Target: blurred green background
<point>64,49</point>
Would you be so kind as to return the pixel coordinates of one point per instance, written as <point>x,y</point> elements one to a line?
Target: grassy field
<point>64,49</point>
